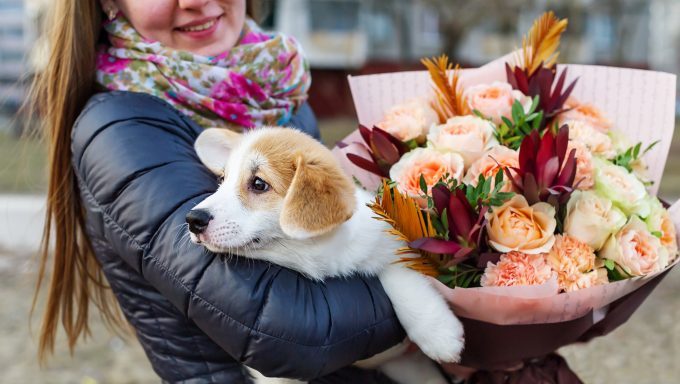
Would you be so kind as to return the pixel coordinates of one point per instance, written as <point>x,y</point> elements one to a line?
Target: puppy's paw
<point>443,343</point>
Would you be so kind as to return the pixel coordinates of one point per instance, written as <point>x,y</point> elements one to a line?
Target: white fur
<point>360,245</point>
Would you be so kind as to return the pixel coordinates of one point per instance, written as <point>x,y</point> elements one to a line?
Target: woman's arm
<point>134,159</point>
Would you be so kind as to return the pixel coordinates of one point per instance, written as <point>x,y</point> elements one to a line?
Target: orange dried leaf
<point>449,100</point>
<point>539,46</point>
<point>403,214</point>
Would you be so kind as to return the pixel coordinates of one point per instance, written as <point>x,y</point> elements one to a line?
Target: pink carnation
<point>516,268</point>
<point>573,261</point>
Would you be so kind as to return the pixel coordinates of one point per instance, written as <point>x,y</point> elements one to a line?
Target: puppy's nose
<point>198,220</point>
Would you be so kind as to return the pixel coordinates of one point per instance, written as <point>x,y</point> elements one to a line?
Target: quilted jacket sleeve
<point>134,159</point>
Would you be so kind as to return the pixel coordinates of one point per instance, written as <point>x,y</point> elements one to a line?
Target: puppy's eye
<point>258,185</point>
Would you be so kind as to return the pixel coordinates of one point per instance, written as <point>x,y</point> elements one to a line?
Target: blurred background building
<point>340,37</point>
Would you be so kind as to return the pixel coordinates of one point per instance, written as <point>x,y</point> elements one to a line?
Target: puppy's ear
<point>319,198</point>
<point>214,145</point>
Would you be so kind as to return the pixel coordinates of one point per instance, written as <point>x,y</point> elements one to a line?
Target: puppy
<point>284,199</point>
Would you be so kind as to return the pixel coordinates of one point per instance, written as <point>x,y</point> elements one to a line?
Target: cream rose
<point>409,120</point>
<point>587,113</point>
<point>598,143</point>
<point>636,250</point>
<point>516,268</point>
<point>516,226</point>
<point>430,163</point>
<point>495,100</point>
<point>591,218</point>
<point>468,135</point>
<point>660,224</point>
<point>622,187</point>
<point>492,162</point>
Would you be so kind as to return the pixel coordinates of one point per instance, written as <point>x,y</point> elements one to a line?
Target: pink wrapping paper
<point>641,104</point>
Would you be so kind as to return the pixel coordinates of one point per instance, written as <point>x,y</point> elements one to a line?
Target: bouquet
<point>527,189</point>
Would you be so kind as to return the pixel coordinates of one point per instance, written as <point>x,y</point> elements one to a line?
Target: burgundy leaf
<point>522,80</point>
<point>530,189</point>
<point>440,197</point>
<point>401,147</point>
<point>548,172</point>
<point>459,216</point>
<point>341,144</point>
<point>568,173</point>
<point>565,95</point>
<point>515,179</point>
<point>510,76</point>
<point>545,152</point>
<point>557,90</point>
<point>383,147</point>
<point>562,142</point>
<point>365,134</point>
<point>367,165</point>
<point>432,245</point>
<point>527,150</point>
<point>462,254</point>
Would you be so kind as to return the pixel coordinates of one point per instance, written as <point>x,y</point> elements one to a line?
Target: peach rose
<point>516,226</point>
<point>495,100</point>
<point>430,163</point>
<point>492,162</point>
<point>468,135</point>
<point>516,268</point>
<point>600,144</point>
<point>587,113</point>
<point>636,250</point>
<point>584,165</point>
<point>571,260</point>
<point>660,223</point>
<point>409,120</point>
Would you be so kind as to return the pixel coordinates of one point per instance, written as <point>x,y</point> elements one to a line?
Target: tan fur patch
<point>317,196</point>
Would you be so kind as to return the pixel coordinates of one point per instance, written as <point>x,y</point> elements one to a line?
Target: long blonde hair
<point>58,94</point>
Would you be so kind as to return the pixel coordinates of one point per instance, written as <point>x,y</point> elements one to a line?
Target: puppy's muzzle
<point>198,220</point>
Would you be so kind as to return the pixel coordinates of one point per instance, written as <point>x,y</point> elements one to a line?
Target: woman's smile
<point>200,29</point>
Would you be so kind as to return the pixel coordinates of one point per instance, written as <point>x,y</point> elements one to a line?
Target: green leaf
<point>650,147</point>
<point>423,184</point>
<point>534,104</point>
<point>609,264</point>
<point>446,279</point>
<point>658,234</point>
<point>479,114</point>
<point>517,111</point>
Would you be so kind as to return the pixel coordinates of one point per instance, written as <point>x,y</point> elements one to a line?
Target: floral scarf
<point>261,80</point>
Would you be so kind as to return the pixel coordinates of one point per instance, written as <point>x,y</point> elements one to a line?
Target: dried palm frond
<point>408,223</point>
<point>540,45</point>
<point>450,101</point>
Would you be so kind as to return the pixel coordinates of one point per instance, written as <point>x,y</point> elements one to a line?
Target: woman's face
<point>204,27</point>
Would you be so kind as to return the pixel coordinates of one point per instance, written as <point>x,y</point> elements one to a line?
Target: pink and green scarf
<point>260,81</point>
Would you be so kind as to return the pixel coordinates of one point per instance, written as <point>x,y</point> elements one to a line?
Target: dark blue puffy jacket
<point>199,315</point>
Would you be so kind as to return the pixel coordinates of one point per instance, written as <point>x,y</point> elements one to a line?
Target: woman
<point>123,175</point>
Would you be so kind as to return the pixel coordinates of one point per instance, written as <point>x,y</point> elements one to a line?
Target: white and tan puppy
<point>284,199</point>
